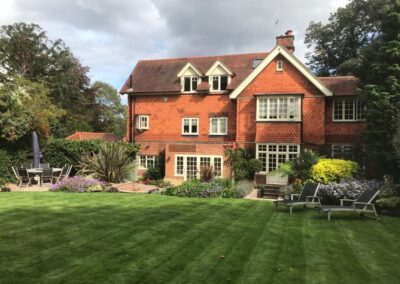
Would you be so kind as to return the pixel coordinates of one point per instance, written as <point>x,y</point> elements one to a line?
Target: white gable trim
<point>187,66</point>
<point>222,65</point>
<point>293,60</point>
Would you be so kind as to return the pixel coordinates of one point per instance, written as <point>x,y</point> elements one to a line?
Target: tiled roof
<point>341,85</point>
<point>161,75</point>
<point>92,136</point>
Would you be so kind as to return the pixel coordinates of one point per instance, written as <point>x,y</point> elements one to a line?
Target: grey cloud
<point>110,36</point>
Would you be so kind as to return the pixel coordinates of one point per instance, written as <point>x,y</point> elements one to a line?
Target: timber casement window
<point>348,109</point>
<point>273,155</point>
<point>188,166</point>
<point>219,83</point>
<point>143,122</point>
<point>148,161</point>
<point>190,126</point>
<point>283,108</point>
<point>218,126</point>
<point>190,83</point>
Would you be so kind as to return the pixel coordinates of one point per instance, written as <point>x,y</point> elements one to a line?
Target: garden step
<point>269,191</point>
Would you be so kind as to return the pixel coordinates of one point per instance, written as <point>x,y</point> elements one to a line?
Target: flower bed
<point>78,184</point>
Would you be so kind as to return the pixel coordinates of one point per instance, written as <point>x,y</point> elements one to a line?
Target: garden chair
<point>15,171</point>
<point>363,204</point>
<point>307,196</point>
<point>44,166</point>
<point>47,176</point>
<point>23,177</point>
<point>65,172</point>
<point>57,175</point>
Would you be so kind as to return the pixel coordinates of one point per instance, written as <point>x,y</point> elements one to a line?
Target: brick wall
<point>166,116</point>
<point>289,81</point>
<point>341,132</point>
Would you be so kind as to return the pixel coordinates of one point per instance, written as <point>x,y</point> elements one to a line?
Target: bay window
<point>282,108</point>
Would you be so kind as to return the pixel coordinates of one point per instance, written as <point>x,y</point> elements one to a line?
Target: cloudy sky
<point>110,36</point>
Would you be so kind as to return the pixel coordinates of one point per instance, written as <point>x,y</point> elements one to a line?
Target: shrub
<point>78,184</point>
<point>333,170</point>
<point>2,182</point>
<point>346,189</point>
<point>389,202</point>
<point>300,168</point>
<point>5,189</point>
<point>241,164</point>
<point>243,188</point>
<point>153,174</point>
<point>112,163</point>
<point>217,188</point>
<point>7,160</point>
<point>206,173</point>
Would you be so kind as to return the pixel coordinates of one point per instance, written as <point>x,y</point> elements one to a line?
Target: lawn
<point>111,237</point>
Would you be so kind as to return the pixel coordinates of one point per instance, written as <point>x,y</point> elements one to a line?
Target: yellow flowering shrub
<point>333,170</point>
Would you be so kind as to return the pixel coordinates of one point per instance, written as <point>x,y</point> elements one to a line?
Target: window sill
<point>194,134</point>
<point>276,120</point>
<point>347,121</point>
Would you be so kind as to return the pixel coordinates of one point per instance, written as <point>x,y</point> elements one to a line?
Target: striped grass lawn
<point>132,238</point>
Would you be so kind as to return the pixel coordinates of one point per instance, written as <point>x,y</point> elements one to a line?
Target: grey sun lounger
<point>308,196</point>
<point>363,204</point>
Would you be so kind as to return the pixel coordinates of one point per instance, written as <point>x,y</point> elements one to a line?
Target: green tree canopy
<point>111,115</point>
<point>25,50</point>
<point>24,107</point>
<point>363,39</point>
<point>336,46</point>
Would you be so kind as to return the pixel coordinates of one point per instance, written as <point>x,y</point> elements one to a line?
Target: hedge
<point>61,151</point>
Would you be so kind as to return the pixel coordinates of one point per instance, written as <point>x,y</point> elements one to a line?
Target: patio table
<point>39,172</point>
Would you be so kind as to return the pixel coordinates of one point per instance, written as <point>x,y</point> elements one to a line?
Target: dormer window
<point>219,76</point>
<point>279,65</point>
<point>190,77</point>
<point>219,83</point>
<point>190,83</point>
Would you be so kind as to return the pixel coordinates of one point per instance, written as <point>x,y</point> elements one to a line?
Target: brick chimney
<point>286,40</point>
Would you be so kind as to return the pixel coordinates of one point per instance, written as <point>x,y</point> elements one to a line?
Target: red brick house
<point>270,102</point>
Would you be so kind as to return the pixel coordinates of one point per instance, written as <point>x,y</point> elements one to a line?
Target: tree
<point>111,115</point>
<point>337,45</point>
<point>26,51</point>
<point>380,76</point>
<point>24,107</point>
<point>364,39</point>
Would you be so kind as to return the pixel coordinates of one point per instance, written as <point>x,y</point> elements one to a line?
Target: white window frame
<point>279,65</point>
<point>147,159</point>
<point>219,121</point>
<point>191,119</point>
<point>277,152</point>
<point>211,79</point>
<point>356,108</point>
<point>198,157</point>
<point>139,124</point>
<point>191,83</point>
<point>296,104</point>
